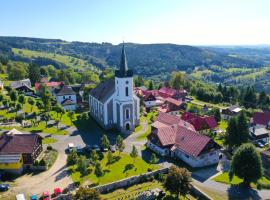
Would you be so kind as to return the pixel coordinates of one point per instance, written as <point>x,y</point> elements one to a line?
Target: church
<point>113,103</point>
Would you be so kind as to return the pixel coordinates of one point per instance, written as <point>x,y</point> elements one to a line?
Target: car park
<point>4,187</point>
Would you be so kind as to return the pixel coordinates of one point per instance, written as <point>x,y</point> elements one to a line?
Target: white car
<point>70,147</point>
<point>20,197</point>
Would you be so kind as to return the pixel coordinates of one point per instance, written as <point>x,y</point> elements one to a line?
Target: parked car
<point>57,192</point>
<point>34,197</point>
<point>96,147</point>
<point>70,147</point>
<point>4,187</point>
<point>260,144</point>
<point>112,148</point>
<point>20,197</point>
<point>79,149</point>
<point>46,195</point>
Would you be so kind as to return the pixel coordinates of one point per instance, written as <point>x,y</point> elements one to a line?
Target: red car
<point>46,196</point>
<point>57,191</point>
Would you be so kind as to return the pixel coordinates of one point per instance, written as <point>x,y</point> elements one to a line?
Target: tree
<point>46,117</point>
<point>98,170</point>
<point>134,153</point>
<point>18,106</point>
<point>110,157</point>
<point>151,85</point>
<point>94,156</point>
<point>231,136</point>
<point>32,102</point>
<point>21,99</point>
<point>154,159</point>
<point>13,95</point>
<point>178,181</point>
<point>71,116</point>
<point>60,111</point>
<point>120,143</point>
<point>177,80</point>
<point>34,73</point>
<point>105,143</point>
<point>85,193</point>
<point>46,97</point>
<point>82,165</point>
<point>72,158</point>
<point>242,128</point>
<point>246,164</point>
<point>217,115</point>
<point>40,105</point>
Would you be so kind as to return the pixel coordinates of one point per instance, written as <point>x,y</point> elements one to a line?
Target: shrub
<point>36,163</point>
<point>49,148</point>
<point>149,169</point>
<point>42,162</point>
<point>261,185</point>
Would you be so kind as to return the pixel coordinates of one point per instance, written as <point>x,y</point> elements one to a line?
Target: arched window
<point>126,91</point>
<point>127,113</point>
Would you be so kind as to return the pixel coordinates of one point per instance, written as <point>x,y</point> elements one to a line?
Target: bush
<point>149,170</point>
<point>49,148</point>
<point>36,163</point>
<point>261,185</point>
<point>42,162</point>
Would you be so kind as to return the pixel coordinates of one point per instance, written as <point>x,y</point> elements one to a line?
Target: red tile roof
<point>49,84</point>
<point>166,135</point>
<point>173,101</point>
<point>199,122</point>
<point>262,118</point>
<point>166,92</point>
<point>19,143</point>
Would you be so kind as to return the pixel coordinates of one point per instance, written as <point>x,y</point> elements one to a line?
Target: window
<point>69,97</point>
<point>127,113</point>
<point>126,91</point>
<point>64,97</point>
<point>126,82</point>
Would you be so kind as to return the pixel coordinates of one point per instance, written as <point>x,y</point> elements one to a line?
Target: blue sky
<point>195,22</point>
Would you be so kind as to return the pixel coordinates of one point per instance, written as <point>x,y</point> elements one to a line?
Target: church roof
<point>123,71</point>
<point>104,90</point>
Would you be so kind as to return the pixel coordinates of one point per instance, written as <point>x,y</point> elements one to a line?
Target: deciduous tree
<point>134,153</point>
<point>85,193</point>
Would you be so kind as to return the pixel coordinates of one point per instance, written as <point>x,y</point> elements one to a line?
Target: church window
<point>126,91</point>
<point>127,113</point>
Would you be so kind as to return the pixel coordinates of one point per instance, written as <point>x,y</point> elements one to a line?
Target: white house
<point>113,103</point>
<point>66,97</point>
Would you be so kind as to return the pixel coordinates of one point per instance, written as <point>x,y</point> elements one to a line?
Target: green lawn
<point>41,127</point>
<point>49,140</point>
<point>116,171</point>
<point>224,178</point>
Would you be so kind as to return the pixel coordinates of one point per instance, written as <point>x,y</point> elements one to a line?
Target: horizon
<point>207,23</point>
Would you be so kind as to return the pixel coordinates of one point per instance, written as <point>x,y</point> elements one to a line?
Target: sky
<point>193,22</point>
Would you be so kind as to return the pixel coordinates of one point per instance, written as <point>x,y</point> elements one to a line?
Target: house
<point>23,86</point>
<point>113,103</point>
<point>231,111</point>
<point>166,92</point>
<point>19,151</point>
<point>259,134</point>
<point>172,106</point>
<point>176,138</point>
<point>66,97</point>
<point>50,85</point>
<point>265,155</point>
<point>261,118</point>
<point>149,100</point>
<point>200,123</point>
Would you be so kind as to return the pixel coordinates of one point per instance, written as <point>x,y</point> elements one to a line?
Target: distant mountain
<point>145,59</point>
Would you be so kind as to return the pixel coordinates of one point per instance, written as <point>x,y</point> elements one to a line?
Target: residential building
<point>113,103</point>
<point>176,138</point>
<point>231,111</point>
<point>23,86</point>
<point>166,92</point>
<point>66,97</point>
<point>200,123</point>
<point>261,118</point>
<point>172,106</point>
<point>259,134</point>
<point>19,151</point>
<point>50,85</point>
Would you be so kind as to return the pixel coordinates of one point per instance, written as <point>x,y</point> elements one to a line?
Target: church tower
<point>124,99</point>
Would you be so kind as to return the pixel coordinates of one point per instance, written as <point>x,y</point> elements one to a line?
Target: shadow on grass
<point>36,131</point>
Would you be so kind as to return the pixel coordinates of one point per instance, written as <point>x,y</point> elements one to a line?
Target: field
<point>123,167</point>
<point>68,61</point>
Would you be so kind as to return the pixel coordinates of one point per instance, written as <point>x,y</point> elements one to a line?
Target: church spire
<point>123,63</point>
<point>123,70</point>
